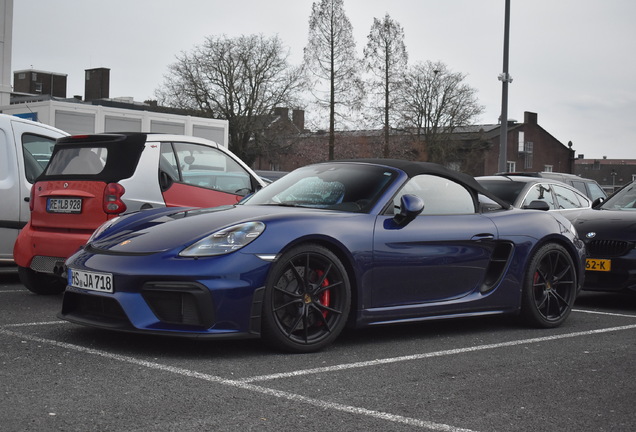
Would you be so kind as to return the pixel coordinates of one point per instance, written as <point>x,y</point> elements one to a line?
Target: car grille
<point>609,248</point>
<point>94,307</point>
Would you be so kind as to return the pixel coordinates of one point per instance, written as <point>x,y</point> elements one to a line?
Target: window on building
<point>521,141</point>
<point>596,165</point>
<point>38,87</point>
<point>547,168</point>
<point>34,76</point>
<point>529,155</point>
<point>511,166</point>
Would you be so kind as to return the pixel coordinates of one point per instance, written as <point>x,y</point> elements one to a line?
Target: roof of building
<point>604,161</point>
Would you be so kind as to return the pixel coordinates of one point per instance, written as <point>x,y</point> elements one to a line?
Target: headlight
<point>103,227</point>
<point>225,241</point>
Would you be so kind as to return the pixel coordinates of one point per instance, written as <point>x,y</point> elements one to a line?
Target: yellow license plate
<point>598,264</point>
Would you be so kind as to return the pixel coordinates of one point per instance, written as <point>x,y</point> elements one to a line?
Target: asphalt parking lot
<point>486,374</point>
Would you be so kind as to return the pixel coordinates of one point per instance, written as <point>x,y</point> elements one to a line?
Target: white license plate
<point>64,205</point>
<point>102,282</point>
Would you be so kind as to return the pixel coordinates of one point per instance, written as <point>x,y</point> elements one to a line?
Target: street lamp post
<point>505,78</point>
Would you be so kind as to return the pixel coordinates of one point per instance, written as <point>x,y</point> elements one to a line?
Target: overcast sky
<point>573,61</point>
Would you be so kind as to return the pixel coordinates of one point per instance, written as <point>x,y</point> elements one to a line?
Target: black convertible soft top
<point>124,151</point>
<point>414,168</point>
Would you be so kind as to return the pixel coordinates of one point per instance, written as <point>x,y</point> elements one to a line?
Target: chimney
<point>530,117</point>
<point>298,118</point>
<point>282,112</point>
<point>97,84</point>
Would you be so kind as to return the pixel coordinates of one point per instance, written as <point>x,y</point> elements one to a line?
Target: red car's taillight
<point>113,203</point>
<point>32,198</point>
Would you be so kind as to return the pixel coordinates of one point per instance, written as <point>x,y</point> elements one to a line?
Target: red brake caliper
<point>325,297</point>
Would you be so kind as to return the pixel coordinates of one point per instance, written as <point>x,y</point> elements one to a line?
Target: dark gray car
<point>537,193</point>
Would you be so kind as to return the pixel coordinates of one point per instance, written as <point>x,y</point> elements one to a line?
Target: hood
<point>152,231</point>
<point>607,224</point>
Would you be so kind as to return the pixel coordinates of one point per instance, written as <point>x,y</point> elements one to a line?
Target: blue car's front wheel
<point>307,300</point>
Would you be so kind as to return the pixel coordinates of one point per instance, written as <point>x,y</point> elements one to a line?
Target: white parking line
<point>369,363</point>
<point>603,313</point>
<point>244,385</point>
<point>37,323</point>
<point>245,382</point>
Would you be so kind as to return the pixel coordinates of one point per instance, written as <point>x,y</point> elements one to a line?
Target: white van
<point>25,149</point>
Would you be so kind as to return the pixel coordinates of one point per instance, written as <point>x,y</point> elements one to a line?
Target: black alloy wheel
<point>550,287</point>
<point>307,300</point>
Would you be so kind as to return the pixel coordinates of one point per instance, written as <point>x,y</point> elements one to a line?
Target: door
<point>24,152</point>
<point>441,255</point>
<point>198,175</point>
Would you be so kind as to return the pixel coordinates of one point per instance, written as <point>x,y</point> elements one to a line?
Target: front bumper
<point>212,297</point>
<point>622,276</point>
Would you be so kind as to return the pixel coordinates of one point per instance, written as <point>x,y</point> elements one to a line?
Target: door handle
<point>483,236</point>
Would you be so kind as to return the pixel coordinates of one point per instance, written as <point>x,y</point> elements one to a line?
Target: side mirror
<point>537,205</point>
<point>410,207</point>
<point>165,181</point>
<point>597,202</point>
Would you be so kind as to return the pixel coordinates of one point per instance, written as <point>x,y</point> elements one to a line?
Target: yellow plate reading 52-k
<point>598,264</point>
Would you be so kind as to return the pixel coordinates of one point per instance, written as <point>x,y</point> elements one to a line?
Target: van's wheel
<point>41,283</point>
<point>550,287</point>
<point>307,300</point>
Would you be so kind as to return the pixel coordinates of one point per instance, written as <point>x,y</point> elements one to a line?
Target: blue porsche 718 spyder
<point>356,243</point>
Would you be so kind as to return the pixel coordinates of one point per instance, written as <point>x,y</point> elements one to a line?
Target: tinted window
<point>440,195</point>
<point>36,151</point>
<point>504,190</point>
<point>567,198</point>
<point>579,185</point>
<point>540,192</point>
<point>595,191</point>
<point>78,160</point>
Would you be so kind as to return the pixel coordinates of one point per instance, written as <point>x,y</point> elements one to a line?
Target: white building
<point>85,118</point>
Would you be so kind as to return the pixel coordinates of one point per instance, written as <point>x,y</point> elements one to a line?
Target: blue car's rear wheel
<point>307,300</point>
<point>550,287</point>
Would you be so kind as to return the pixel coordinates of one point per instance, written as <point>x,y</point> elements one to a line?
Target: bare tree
<point>435,102</point>
<point>237,79</point>
<point>385,57</point>
<point>330,58</point>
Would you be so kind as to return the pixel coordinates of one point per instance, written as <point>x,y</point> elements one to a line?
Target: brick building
<point>37,82</point>
<point>609,173</point>
<point>476,148</point>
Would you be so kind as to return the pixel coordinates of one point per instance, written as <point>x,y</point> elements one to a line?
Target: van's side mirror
<point>410,207</point>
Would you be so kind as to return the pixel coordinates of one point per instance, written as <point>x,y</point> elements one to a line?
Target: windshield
<point>624,199</point>
<point>337,186</point>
